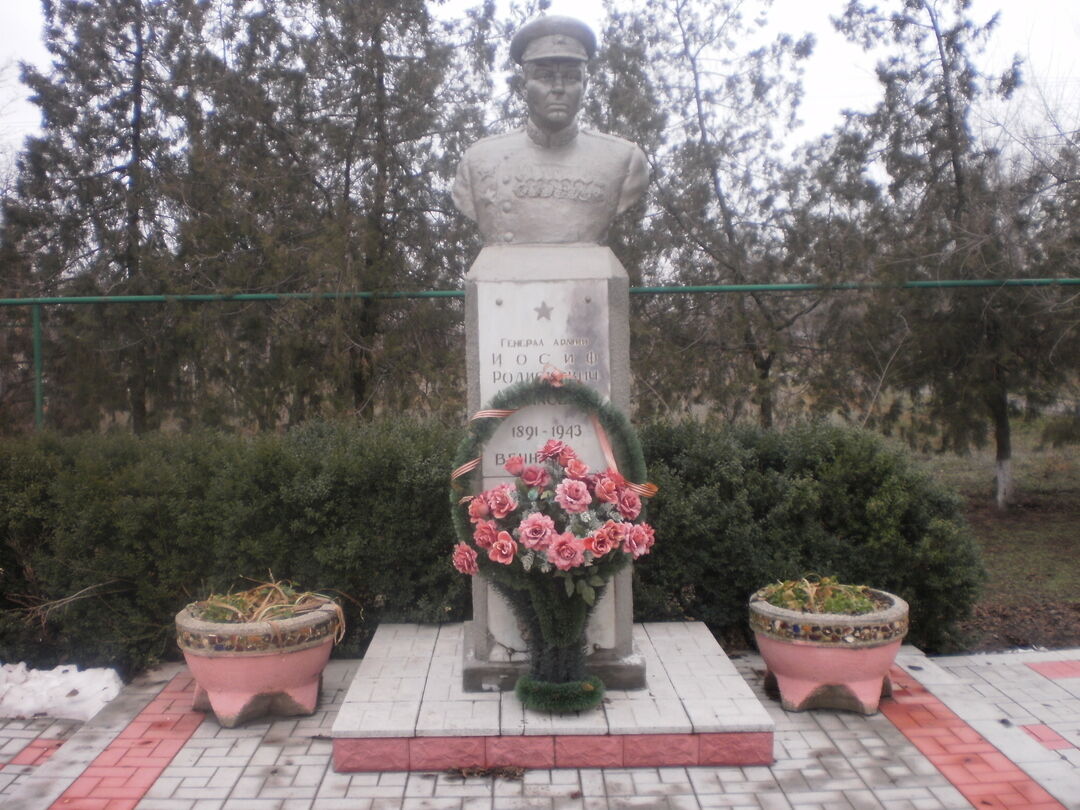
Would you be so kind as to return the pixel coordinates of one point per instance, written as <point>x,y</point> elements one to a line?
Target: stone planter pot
<point>247,670</point>
<point>829,660</point>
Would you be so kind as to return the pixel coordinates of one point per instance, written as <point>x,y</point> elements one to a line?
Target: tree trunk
<point>998,403</point>
<point>375,239</point>
<point>137,395</point>
<point>764,395</point>
<point>139,371</point>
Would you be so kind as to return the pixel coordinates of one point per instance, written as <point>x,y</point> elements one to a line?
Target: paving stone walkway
<point>982,731</point>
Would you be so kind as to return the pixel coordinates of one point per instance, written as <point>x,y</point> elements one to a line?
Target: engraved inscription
<point>518,346</point>
<point>574,356</point>
<point>525,431</point>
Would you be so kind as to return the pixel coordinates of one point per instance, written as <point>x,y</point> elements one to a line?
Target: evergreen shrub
<point>103,538</point>
<point>740,507</point>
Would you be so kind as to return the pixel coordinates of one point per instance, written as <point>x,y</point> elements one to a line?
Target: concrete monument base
<point>530,308</point>
<point>617,672</point>
<point>406,710</point>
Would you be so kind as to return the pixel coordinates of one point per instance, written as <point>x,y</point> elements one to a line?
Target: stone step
<point>406,710</point>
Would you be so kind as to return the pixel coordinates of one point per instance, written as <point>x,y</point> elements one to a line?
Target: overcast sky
<point>1045,32</point>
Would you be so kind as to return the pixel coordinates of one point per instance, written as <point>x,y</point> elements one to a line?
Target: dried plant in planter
<point>259,651</point>
<point>267,601</point>
<point>814,594</point>
<point>827,645</point>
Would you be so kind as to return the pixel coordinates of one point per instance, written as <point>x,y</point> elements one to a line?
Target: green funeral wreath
<point>553,621</point>
<point>541,391</point>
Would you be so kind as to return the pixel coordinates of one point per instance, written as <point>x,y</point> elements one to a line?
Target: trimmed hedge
<point>104,538</point>
<point>741,507</point>
<point>138,527</point>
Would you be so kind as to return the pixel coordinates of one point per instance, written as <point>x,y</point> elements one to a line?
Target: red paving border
<point>985,777</point>
<point>36,752</point>
<point>1048,737</point>
<point>369,754</point>
<point>121,774</point>
<point>1057,669</point>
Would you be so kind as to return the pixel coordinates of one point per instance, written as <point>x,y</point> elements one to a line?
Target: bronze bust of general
<point>551,182</point>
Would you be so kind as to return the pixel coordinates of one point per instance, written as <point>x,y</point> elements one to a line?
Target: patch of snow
<point>61,692</point>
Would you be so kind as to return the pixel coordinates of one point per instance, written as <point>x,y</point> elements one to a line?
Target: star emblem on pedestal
<point>543,311</point>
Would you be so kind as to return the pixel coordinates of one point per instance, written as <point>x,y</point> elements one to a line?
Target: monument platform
<point>406,710</point>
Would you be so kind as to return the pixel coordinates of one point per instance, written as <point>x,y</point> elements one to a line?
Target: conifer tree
<point>218,147</point>
<point>88,215</point>
<point>325,167</point>
<point>710,103</point>
<point>955,212</point>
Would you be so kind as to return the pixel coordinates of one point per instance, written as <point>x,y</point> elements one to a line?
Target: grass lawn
<point>1031,551</point>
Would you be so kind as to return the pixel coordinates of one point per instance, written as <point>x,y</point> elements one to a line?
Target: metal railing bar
<point>660,290</point>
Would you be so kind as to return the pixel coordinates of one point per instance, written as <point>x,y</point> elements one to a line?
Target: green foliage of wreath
<point>560,698</point>
<point>624,440</point>
<point>624,444</point>
<point>553,621</point>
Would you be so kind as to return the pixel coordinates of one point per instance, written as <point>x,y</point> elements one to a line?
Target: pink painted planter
<point>243,671</point>
<point>829,660</point>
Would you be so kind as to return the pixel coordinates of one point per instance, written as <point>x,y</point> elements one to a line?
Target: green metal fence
<point>37,304</point>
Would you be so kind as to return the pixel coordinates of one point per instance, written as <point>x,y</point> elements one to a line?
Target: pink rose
<point>535,476</point>
<point>465,559</point>
<point>607,538</point>
<point>478,509</point>
<point>573,496</point>
<point>514,465</point>
<point>566,551</point>
<point>607,491</point>
<point>576,468</point>
<point>640,540</point>
<point>629,504</point>
<point>485,533</point>
<point>501,501</point>
<point>550,450</point>
<point>566,455</point>
<point>536,531</point>
<point>503,550</point>
<point>599,544</point>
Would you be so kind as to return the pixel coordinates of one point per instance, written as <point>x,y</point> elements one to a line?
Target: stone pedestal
<point>531,308</point>
<point>406,711</point>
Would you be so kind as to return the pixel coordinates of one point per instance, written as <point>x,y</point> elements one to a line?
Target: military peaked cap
<point>553,37</point>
